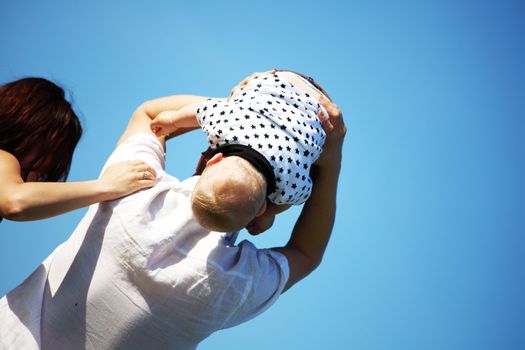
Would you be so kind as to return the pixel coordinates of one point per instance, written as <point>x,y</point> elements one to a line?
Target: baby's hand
<point>165,123</point>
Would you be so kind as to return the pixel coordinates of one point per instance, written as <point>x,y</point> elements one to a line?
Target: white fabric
<point>140,273</point>
<point>276,119</point>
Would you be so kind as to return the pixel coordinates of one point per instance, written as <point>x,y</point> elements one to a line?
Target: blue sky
<point>428,251</point>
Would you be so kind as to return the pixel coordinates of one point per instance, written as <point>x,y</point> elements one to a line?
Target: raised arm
<point>312,231</point>
<point>141,120</point>
<point>170,123</point>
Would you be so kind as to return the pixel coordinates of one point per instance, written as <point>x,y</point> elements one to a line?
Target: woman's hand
<point>121,179</point>
<point>335,129</point>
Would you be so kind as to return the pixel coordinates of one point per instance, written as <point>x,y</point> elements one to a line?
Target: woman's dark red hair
<point>36,119</point>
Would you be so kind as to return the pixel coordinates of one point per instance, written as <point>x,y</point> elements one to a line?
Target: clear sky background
<point>428,250</point>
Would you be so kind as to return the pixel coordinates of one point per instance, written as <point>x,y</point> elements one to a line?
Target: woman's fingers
<point>147,183</point>
<point>135,162</point>
<point>144,171</point>
<point>123,178</point>
<point>147,174</point>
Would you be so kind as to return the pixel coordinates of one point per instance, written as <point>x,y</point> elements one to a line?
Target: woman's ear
<point>215,159</point>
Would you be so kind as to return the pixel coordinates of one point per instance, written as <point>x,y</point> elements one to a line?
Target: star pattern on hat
<point>278,120</point>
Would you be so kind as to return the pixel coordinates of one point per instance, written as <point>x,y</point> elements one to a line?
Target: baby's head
<point>229,194</point>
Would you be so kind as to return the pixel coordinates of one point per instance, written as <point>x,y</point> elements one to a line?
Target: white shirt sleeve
<point>141,146</point>
<point>269,273</point>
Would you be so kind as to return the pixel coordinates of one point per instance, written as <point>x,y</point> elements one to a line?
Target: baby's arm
<point>141,119</point>
<point>166,123</point>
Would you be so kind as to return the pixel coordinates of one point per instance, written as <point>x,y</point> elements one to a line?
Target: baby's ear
<point>215,159</point>
<point>261,210</point>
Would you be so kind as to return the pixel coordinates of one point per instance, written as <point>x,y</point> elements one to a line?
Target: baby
<point>263,141</point>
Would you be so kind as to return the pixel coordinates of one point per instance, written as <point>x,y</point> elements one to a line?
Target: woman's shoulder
<point>9,168</point>
<point>8,157</point>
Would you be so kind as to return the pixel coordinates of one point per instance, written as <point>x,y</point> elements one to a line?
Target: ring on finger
<point>145,175</point>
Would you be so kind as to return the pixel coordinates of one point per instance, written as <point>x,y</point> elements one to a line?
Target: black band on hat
<point>255,158</point>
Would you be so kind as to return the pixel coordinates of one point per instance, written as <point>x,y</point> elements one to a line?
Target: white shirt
<point>140,273</point>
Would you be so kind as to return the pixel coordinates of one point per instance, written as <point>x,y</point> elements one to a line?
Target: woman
<point>38,133</point>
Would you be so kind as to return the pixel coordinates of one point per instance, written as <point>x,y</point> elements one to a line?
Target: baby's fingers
<point>155,128</point>
<point>159,128</point>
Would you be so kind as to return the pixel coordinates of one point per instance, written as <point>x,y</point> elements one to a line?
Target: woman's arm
<point>25,201</point>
